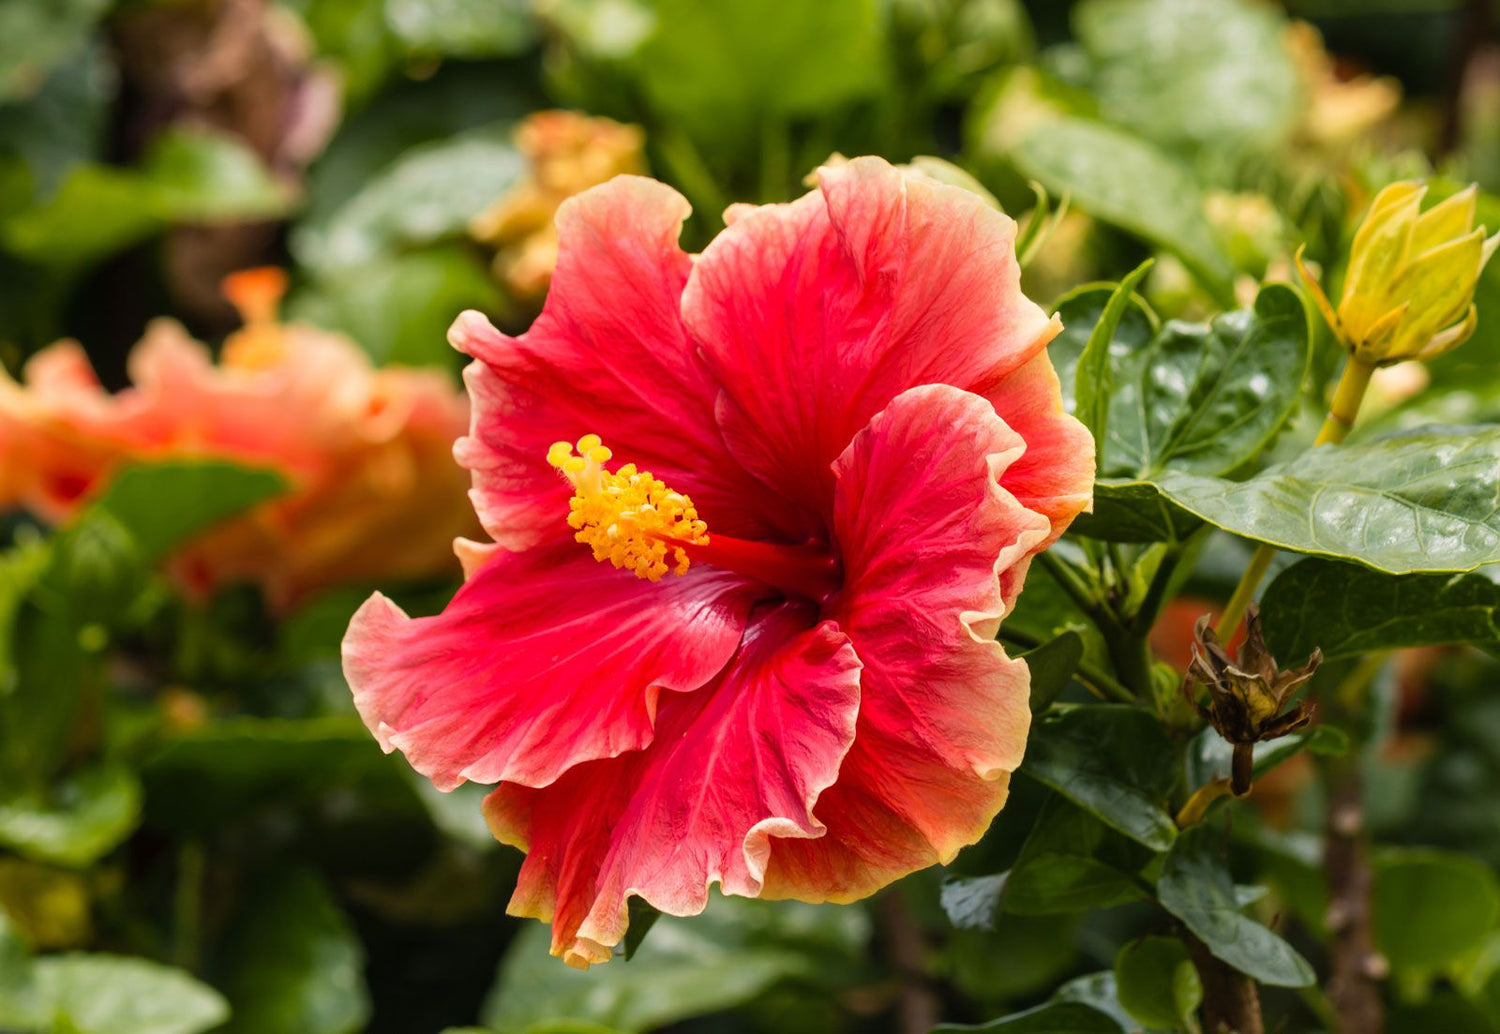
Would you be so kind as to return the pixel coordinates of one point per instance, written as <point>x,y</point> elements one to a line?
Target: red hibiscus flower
<point>783,677</point>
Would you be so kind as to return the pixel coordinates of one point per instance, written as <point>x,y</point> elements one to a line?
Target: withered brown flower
<point>1247,694</point>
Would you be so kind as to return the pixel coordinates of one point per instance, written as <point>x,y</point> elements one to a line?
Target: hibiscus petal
<point>815,314</point>
<point>1055,476</point>
<point>933,546</point>
<point>544,660</point>
<point>733,766</point>
<point>607,356</point>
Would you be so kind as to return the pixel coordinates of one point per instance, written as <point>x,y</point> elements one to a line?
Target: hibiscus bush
<point>607,516</point>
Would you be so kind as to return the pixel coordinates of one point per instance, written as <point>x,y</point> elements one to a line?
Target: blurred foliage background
<point>197,833</point>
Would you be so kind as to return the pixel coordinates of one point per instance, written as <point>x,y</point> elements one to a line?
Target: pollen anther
<point>627,516</point>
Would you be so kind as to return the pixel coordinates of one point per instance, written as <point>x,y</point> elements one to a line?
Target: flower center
<point>628,517</point>
<point>635,521</point>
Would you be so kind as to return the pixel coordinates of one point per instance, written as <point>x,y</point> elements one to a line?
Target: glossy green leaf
<point>1053,884</point>
<point>1192,73</point>
<point>76,821</point>
<point>1201,398</point>
<point>1134,511</point>
<point>1208,398</point>
<point>1094,379</point>
<point>1411,502</point>
<point>736,951</point>
<point>428,194</point>
<point>1349,611</point>
<point>1052,1018</point>
<point>1124,180</point>
<point>296,965</point>
<point>1069,863</point>
<point>1196,887</point>
<point>1052,666</point>
<point>1430,907</point>
<point>1081,311</point>
<point>108,994</point>
<point>1072,862</point>
<point>1157,983</point>
<point>1113,760</point>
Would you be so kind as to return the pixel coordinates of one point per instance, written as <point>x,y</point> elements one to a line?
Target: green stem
<point>1341,416</point>
<point>1078,591</point>
<point>188,904</point>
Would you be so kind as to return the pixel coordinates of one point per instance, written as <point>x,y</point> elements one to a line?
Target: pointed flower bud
<point>1247,694</point>
<point>1409,290</point>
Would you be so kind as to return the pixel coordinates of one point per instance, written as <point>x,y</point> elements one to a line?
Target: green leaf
<point>428,194</point>
<point>1115,761</point>
<point>1094,379</point>
<point>716,70</point>
<point>1207,398</point>
<point>1157,983</point>
<point>462,28</point>
<point>296,965</point>
<point>197,176</point>
<point>733,953</point>
<point>188,176</point>
<point>1052,1018</point>
<point>1072,862</point>
<point>643,916</point>
<point>1196,888</point>
<point>1201,398</point>
<point>1053,884</point>
<point>34,37</point>
<point>1349,611</point>
<point>78,821</point>
<point>162,505</point>
<point>1081,311</point>
<point>1052,666</point>
<point>1126,181</point>
<point>972,902</point>
<point>1190,74</point>
<point>1421,501</point>
<point>108,994</point>
<point>398,307</point>
<point>1134,511</point>
<point>1430,907</point>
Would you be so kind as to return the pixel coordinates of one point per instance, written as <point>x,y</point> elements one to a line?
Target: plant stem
<point>917,1007</point>
<point>188,905</point>
<point>1230,1002</point>
<point>1355,967</point>
<point>1088,601</point>
<point>1341,415</point>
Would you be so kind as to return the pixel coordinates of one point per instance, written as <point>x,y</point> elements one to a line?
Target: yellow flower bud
<point>1409,289</point>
